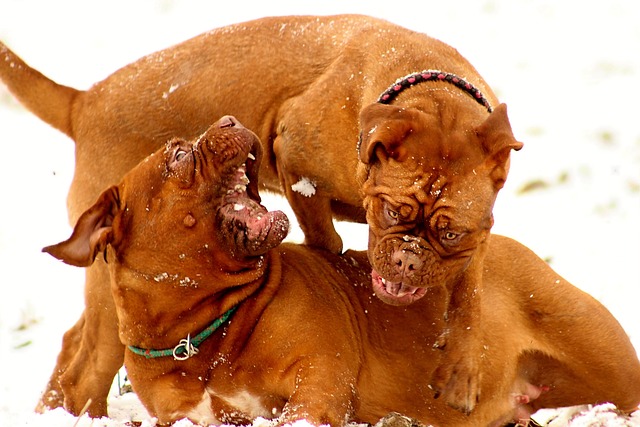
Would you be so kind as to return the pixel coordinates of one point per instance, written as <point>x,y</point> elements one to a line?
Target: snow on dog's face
<point>225,160</point>
<point>429,187</point>
<point>192,204</point>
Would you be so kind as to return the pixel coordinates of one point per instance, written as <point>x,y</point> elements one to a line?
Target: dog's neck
<point>180,321</point>
<point>187,347</point>
<point>173,311</point>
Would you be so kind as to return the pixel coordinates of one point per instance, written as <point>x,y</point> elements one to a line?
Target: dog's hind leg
<point>53,397</point>
<point>583,370</point>
<point>572,343</point>
<point>91,352</point>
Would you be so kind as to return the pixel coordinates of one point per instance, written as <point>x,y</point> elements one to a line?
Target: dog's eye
<point>450,235</point>
<point>392,216</point>
<point>450,238</point>
<point>180,154</point>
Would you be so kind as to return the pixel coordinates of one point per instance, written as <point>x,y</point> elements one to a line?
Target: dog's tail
<point>48,100</point>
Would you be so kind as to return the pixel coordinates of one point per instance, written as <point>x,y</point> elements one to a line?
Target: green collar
<point>187,347</point>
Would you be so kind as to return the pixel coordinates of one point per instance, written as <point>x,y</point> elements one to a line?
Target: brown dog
<point>430,217</point>
<point>295,333</point>
<point>308,86</point>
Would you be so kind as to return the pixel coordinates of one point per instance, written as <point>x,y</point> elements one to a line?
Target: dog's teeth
<point>384,281</point>
<point>251,157</point>
<point>241,188</point>
<point>244,179</point>
<point>230,192</point>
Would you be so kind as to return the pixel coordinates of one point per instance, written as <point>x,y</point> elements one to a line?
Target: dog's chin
<point>250,228</point>
<point>263,233</point>
<point>395,293</point>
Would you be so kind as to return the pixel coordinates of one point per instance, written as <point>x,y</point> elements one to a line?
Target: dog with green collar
<point>289,332</point>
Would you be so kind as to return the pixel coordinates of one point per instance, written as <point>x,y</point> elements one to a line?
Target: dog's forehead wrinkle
<point>421,194</point>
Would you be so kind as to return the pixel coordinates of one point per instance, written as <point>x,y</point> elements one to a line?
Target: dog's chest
<point>250,404</point>
<point>244,403</point>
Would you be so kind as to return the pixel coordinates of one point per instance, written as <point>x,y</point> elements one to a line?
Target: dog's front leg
<point>457,378</point>
<point>312,208</point>
<point>324,394</point>
<point>91,353</point>
<point>307,192</point>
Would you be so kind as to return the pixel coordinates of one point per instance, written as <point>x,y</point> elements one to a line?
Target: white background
<point>569,72</point>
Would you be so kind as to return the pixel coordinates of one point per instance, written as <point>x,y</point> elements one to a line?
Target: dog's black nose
<point>227,122</point>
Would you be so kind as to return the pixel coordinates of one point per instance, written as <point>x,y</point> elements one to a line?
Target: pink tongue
<point>399,289</point>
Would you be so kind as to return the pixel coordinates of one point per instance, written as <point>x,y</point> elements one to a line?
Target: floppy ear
<point>92,233</point>
<point>384,129</point>
<point>497,140</point>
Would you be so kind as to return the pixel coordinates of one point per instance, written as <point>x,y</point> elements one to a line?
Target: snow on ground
<point>569,72</point>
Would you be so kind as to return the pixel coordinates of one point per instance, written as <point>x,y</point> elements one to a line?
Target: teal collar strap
<point>187,347</point>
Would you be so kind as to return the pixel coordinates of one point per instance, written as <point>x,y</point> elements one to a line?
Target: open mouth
<point>253,229</point>
<point>395,293</point>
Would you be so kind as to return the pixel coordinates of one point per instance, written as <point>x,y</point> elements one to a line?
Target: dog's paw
<point>330,240</point>
<point>457,378</point>
<point>394,419</point>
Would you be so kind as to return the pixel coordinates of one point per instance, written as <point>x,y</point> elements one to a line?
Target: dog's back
<point>248,70</point>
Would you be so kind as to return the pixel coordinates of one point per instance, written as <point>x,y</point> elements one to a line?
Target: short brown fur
<point>308,87</point>
<point>308,340</point>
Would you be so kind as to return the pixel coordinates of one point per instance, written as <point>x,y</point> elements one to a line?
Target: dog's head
<point>429,184</point>
<point>191,207</point>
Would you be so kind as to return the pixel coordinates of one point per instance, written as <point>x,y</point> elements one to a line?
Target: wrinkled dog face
<point>187,219</point>
<point>193,204</point>
<point>423,231</point>
<point>211,187</point>
<point>429,196</point>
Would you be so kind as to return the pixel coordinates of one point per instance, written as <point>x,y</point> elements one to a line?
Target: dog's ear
<point>383,131</point>
<point>92,233</point>
<point>497,140</point>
